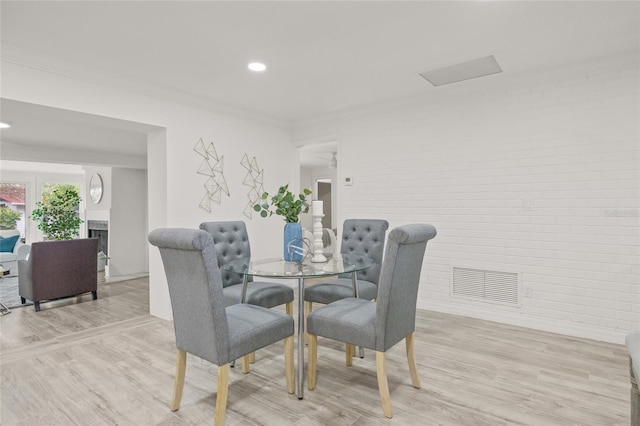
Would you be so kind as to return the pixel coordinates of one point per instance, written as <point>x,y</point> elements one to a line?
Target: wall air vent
<point>486,285</point>
<point>464,71</point>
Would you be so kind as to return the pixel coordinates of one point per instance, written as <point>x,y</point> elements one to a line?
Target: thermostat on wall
<point>348,181</point>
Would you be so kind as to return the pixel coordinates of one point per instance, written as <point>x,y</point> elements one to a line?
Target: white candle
<point>316,207</point>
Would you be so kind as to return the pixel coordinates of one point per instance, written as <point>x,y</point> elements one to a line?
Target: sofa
<point>12,250</point>
<point>58,269</point>
<point>633,346</point>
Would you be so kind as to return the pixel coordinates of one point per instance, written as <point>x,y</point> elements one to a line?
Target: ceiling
<point>322,57</point>
<point>71,129</point>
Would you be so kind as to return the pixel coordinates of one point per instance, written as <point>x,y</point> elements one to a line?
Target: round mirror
<point>95,188</point>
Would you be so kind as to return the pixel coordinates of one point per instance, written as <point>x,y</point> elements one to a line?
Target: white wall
<point>467,163</point>
<point>124,206</point>
<point>157,214</point>
<point>175,190</point>
<point>128,248</point>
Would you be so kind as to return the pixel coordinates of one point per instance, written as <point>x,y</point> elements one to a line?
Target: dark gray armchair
<point>231,242</point>
<point>382,324</point>
<point>203,325</point>
<point>57,269</point>
<point>633,346</point>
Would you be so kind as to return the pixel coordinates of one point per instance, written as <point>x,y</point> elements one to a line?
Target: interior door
<point>324,195</point>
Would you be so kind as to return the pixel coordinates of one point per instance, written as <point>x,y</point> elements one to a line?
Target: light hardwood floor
<point>108,362</point>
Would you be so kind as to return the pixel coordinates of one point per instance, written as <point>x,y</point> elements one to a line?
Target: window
<point>13,207</point>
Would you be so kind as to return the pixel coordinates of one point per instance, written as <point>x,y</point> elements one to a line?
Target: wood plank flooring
<point>108,362</point>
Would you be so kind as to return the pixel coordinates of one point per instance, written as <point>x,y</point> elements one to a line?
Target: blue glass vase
<point>292,242</point>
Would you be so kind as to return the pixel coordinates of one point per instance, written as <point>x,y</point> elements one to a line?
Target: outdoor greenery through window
<point>57,215</point>
<point>12,207</point>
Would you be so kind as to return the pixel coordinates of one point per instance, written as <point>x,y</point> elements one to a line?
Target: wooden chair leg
<point>289,308</point>
<point>308,307</point>
<point>252,357</point>
<point>349,350</point>
<point>413,370</point>
<point>288,364</point>
<point>313,356</point>
<point>223,391</point>
<point>383,386</point>
<point>178,385</point>
<point>245,364</point>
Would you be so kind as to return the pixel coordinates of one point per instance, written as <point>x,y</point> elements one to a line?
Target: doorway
<point>319,172</point>
<point>324,195</point>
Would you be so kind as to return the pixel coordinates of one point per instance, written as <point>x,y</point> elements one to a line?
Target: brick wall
<point>541,179</point>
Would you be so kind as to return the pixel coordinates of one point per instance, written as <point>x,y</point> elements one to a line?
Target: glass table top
<point>278,268</point>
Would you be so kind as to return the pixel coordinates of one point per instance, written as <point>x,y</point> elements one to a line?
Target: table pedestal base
<point>300,338</point>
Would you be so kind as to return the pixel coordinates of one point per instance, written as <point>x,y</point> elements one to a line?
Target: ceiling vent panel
<point>463,71</point>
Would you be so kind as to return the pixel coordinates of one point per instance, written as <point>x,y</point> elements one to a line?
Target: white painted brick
<point>585,319</point>
<point>518,91</point>
<point>615,324</point>
<point>627,316</point>
<point>546,313</point>
<point>529,96</point>
<point>627,278</point>
<point>625,306</point>
<point>571,146</point>
<point>621,290</point>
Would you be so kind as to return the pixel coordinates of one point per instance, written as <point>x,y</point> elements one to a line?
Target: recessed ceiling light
<point>257,66</point>
<point>4,126</point>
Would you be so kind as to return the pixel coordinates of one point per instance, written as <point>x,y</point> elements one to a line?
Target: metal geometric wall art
<point>252,179</point>
<point>212,167</point>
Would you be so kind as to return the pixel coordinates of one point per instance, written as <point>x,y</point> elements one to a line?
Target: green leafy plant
<point>284,203</point>
<point>8,218</point>
<point>57,215</point>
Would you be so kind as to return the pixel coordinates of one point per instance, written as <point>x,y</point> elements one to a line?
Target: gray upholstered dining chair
<point>203,326</point>
<point>363,237</point>
<point>633,347</point>
<point>231,242</point>
<point>382,324</point>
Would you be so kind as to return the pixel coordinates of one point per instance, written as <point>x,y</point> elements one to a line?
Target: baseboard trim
<point>522,320</point>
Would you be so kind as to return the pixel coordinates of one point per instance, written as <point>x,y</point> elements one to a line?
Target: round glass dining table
<point>281,269</point>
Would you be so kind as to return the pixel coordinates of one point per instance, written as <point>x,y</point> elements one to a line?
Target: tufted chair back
<point>231,242</point>
<point>365,237</point>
